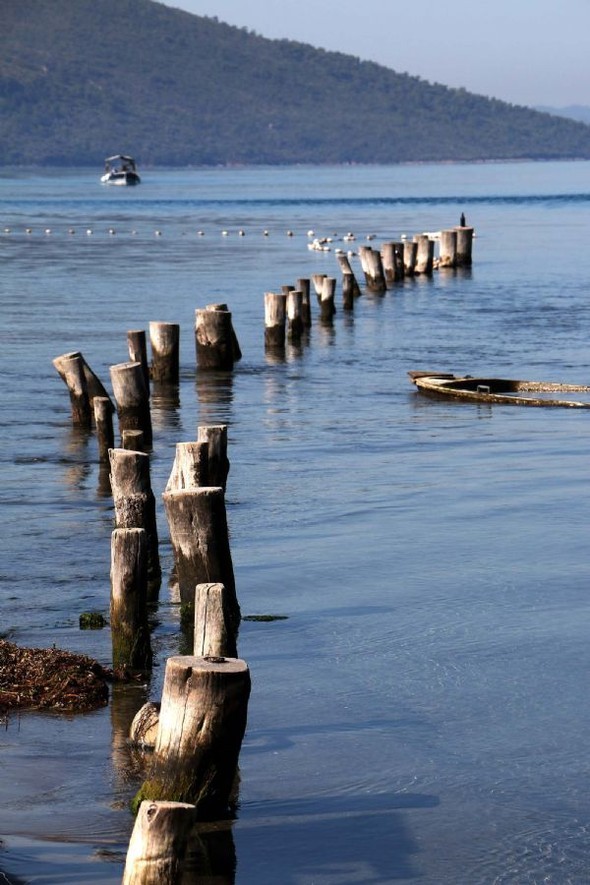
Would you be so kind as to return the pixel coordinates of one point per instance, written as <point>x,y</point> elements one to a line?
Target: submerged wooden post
<point>135,505</point>
<point>191,466</point>
<point>464,246</point>
<point>202,724</point>
<point>215,435</point>
<point>136,343</point>
<point>294,315</point>
<point>303,286</point>
<point>275,316</point>
<point>133,440</point>
<point>94,385</point>
<point>215,338</point>
<point>158,843</point>
<point>133,399</point>
<point>72,372</point>
<point>448,248</point>
<point>128,616</point>
<point>410,250</point>
<point>165,344</point>
<point>327,305</point>
<point>199,535</point>
<point>105,434</point>
<point>213,634</point>
<point>424,254</point>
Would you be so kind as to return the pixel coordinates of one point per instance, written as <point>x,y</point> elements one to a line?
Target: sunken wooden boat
<point>506,391</point>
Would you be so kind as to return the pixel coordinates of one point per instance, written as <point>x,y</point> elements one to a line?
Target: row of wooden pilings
<point>195,732</point>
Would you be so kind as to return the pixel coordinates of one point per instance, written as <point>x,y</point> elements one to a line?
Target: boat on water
<point>120,170</point>
<point>506,391</point>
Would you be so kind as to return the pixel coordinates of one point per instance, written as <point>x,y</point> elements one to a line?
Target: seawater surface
<point>421,712</point>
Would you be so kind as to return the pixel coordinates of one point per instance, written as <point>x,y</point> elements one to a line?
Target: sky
<point>528,52</point>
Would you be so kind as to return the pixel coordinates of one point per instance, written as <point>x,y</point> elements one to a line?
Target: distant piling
<point>275,318</point>
<point>464,246</point>
<point>165,345</point>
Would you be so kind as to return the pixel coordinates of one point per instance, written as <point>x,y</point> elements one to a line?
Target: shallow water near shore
<point>420,714</point>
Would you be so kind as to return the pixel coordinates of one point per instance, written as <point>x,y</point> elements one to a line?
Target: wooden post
<point>158,843</point>
<point>93,383</point>
<point>318,282</point>
<point>372,268</point>
<point>72,372</point>
<point>213,634</point>
<point>275,315</point>
<point>191,467</point>
<point>410,250</point>
<point>347,271</point>
<point>303,286</point>
<point>215,435</point>
<point>294,315</point>
<point>388,260</point>
<point>199,535</point>
<point>202,724</point>
<point>129,622</point>
<point>215,338</point>
<point>103,418</point>
<point>424,254</point>
<point>235,344</point>
<point>448,248</point>
<point>136,343</point>
<point>132,440</point>
<point>135,505</point>
<point>348,292</point>
<point>144,727</point>
<point>464,246</point>
<point>165,344</point>
<point>133,399</point>
<point>327,306</point>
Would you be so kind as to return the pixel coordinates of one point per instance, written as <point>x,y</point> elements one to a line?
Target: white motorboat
<point>120,170</point>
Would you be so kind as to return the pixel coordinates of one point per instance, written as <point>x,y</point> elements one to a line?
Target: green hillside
<point>81,79</point>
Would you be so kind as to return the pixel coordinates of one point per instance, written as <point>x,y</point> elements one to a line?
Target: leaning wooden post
<point>215,338</point>
<point>410,250</point>
<point>72,372</point>
<point>215,436</point>
<point>213,633</point>
<point>464,246</point>
<point>133,399</point>
<point>199,535</point>
<point>190,468</point>
<point>158,843</point>
<point>347,271</point>
<point>294,315</point>
<point>303,286</point>
<point>424,254</point>
<point>93,383</point>
<point>202,724</point>
<point>105,434</point>
<point>327,305</point>
<point>275,316</point>
<point>137,345</point>
<point>135,505</point>
<point>165,344</point>
<point>129,622</point>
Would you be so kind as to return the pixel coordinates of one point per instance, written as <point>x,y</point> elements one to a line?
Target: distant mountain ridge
<point>578,112</point>
<point>82,79</point>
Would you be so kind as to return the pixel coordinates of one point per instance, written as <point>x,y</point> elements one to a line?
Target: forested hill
<point>81,79</point>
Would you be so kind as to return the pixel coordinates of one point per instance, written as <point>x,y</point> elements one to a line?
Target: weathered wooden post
<point>464,246</point>
<point>215,435</point>
<point>215,339</point>
<point>133,440</point>
<point>327,305</point>
<point>133,399</point>
<point>303,286</point>
<point>72,372</point>
<point>158,843</point>
<point>410,250</point>
<point>348,292</point>
<point>424,254</point>
<point>388,261</point>
<point>94,385</point>
<point>213,634</point>
<point>448,248</point>
<point>144,727</point>
<point>275,316</point>
<point>294,316</point>
<point>347,271</point>
<point>318,283</point>
<point>372,268</point>
<point>398,261</point>
<point>135,505</point>
<point>191,466</point>
<point>136,343</point>
<point>103,418</point>
<point>202,724</point>
<point>165,345</point>
<point>199,534</point>
<point>129,622</point>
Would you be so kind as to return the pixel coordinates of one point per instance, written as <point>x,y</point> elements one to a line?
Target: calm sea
<point>421,713</point>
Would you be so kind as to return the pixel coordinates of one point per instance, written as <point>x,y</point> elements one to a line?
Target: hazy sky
<point>532,52</point>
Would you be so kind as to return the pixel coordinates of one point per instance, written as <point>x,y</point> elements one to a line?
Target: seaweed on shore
<point>52,679</point>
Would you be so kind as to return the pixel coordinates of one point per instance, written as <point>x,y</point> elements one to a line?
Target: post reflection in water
<point>79,465</point>
<point>165,405</point>
<point>211,856</point>
<point>215,395</point>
